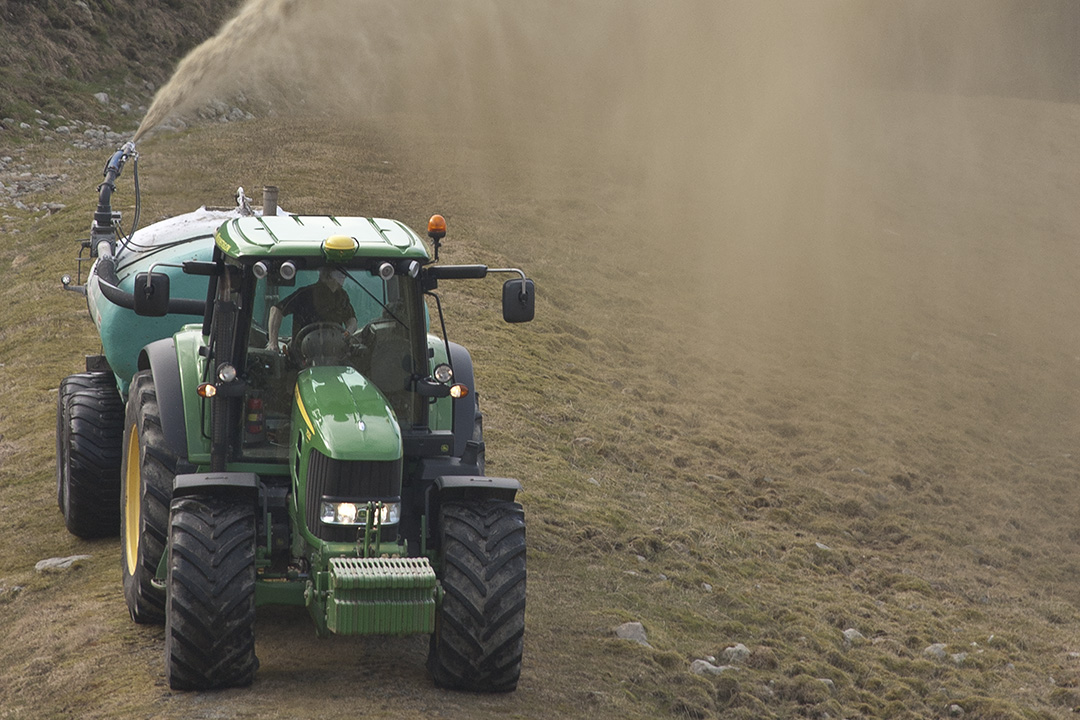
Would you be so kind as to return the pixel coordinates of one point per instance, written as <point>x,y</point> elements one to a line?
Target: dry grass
<point>873,429</point>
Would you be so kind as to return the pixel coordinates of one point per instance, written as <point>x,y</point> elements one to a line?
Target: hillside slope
<point>55,55</point>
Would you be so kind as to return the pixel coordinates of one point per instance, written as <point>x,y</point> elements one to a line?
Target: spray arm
<point>103,237</point>
<point>103,230</point>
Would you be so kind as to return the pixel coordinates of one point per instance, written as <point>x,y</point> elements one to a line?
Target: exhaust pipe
<point>270,193</point>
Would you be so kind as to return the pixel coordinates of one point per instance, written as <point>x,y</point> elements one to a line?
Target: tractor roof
<point>304,235</point>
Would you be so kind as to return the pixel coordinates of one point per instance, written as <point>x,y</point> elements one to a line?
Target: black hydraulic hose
<point>113,168</point>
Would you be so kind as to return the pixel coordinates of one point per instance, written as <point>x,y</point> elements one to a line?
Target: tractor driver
<point>322,301</point>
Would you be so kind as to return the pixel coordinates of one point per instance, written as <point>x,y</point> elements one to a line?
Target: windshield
<point>338,317</point>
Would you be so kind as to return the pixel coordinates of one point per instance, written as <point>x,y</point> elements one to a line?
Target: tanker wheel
<point>146,489</point>
<point>480,625</point>
<point>210,612</point>
<point>89,438</point>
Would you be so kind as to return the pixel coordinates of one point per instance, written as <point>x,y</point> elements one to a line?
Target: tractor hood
<point>343,415</point>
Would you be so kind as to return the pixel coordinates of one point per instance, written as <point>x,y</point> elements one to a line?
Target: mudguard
<point>464,408</point>
<point>210,483</point>
<point>468,487</point>
<point>160,358</point>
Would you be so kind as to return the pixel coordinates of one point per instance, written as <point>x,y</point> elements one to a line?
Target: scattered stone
<point>13,591</point>
<point>102,98</point>
<point>706,587</point>
<point>594,481</point>
<point>633,631</point>
<point>854,637</point>
<point>704,667</point>
<point>936,651</point>
<point>736,654</point>
<point>57,564</point>
<point>828,683</point>
<point>823,546</point>
<point>958,658</point>
<point>955,710</point>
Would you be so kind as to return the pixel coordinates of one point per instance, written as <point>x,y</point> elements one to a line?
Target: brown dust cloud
<point>859,209</point>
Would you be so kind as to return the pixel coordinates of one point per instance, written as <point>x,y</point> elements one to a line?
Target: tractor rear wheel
<point>480,625</point>
<point>89,436</point>
<point>210,612</point>
<point>146,489</point>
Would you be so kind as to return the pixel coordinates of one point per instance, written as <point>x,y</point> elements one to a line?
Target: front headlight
<point>354,512</point>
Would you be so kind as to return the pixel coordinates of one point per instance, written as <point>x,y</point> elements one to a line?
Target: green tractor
<point>272,422</point>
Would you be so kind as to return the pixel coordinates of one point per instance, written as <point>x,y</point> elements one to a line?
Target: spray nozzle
<point>116,162</point>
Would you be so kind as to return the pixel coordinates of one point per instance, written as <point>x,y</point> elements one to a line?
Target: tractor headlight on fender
<point>335,511</point>
<point>443,373</point>
<point>226,373</point>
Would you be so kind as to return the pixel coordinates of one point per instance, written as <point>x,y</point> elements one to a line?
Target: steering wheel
<point>327,337</point>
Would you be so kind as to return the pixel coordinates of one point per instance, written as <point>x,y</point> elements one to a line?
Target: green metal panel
<point>344,415</point>
<point>303,235</point>
<point>441,412</point>
<point>188,341</point>
<point>283,592</point>
<point>381,596</point>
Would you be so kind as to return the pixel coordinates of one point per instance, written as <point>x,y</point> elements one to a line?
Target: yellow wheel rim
<point>132,502</point>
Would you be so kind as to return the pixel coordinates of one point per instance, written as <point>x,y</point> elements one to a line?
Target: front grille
<point>359,479</point>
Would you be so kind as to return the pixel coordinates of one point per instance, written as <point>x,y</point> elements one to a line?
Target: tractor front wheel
<point>210,612</point>
<point>480,625</point>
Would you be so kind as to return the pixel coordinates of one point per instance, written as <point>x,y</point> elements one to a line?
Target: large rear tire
<point>149,468</point>
<point>210,612</point>
<point>89,436</point>
<point>480,625</point>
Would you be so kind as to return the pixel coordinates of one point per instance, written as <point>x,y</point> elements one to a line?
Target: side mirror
<point>151,294</point>
<point>518,300</point>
